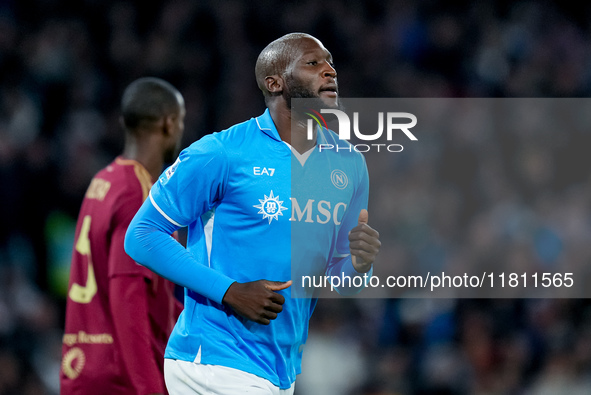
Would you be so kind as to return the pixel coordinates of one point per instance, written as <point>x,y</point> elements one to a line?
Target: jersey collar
<point>267,126</point>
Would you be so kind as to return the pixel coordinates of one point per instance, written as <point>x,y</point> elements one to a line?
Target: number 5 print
<point>79,293</point>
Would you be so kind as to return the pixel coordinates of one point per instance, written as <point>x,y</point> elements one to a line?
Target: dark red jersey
<point>119,314</point>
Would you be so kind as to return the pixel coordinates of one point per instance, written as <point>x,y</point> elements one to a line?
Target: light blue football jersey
<point>252,209</point>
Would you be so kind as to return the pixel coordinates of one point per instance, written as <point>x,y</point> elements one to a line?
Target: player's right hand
<point>257,300</point>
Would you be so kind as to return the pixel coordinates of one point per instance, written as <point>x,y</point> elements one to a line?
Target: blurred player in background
<point>241,332</point>
<point>119,314</point>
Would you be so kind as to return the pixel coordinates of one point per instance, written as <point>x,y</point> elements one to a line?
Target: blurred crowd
<point>471,196</point>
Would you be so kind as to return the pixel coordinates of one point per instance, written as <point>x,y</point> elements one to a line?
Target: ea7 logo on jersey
<point>271,207</point>
<point>258,171</point>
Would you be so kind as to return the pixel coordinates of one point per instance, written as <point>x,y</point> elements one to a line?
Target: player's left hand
<point>364,243</point>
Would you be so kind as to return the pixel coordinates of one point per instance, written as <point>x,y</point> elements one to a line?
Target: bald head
<point>147,100</point>
<point>277,56</point>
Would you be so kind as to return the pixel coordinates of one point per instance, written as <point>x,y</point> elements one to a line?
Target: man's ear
<point>274,84</point>
<point>169,124</point>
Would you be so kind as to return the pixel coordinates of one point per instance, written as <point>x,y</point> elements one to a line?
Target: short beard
<point>294,89</point>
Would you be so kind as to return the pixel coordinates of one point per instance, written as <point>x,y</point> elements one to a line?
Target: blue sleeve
<point>341,263</point>
<point>149,243</point>
<point>193,185</point>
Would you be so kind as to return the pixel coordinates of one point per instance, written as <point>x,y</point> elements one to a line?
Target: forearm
<point>149,243</point>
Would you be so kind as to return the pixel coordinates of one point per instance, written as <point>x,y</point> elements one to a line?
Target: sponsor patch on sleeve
<point>170,171</point>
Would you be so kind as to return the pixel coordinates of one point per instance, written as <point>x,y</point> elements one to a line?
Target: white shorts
<point>183,377</point>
